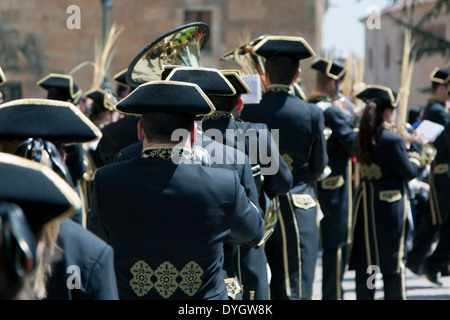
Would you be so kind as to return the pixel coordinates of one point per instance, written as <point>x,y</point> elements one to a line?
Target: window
<point>387,56</point>
<point>200,16</point>
<point>370,58</point>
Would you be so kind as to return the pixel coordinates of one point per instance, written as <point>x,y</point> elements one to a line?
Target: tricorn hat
<point>103,97</point>
<point>440,76</point>
<point>273,45</point>
<point>43,196</point>
<point>60,87</point>
<point>210,80</point>
<point>376,92</point>
<point>330,68</point>
<point>53,120</point>
<point>234,76</point>
<point>166,96</point>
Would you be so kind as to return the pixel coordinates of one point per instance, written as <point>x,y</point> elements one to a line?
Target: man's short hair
<point>225,103</point>
<point>159,126</point>
<point>282,69</point>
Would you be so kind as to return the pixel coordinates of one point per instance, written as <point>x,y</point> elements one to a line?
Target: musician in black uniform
<point>71,243</point>
<point>184,210</point>
<point>387,163</point>
<point>437,111</point>
<point>334,192</point>
<point>33,198</point>
<point>119,134</point>
<point>292,249</point>
<point>62,87</point>
<point>439,176</point>
<point>250,263</point>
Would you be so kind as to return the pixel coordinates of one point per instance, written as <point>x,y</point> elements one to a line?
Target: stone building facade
<point>35,39</point>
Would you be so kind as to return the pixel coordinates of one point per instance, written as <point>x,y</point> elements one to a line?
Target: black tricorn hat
<point>330,68</point>
<point>53,120</point>
<point>210,80</point>
<point>2,77</point>
<point>43,196</point>
<point>376,92</point>
<point>234,76</point>
<point>121,77</point>
<point>166,96</point>
<point>440,76</point>
<point>60,87</point>
<point>103,97</point>
<point>273,45</point>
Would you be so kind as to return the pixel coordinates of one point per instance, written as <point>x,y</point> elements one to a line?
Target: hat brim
<point>51,120</point>
<point>43,196</point>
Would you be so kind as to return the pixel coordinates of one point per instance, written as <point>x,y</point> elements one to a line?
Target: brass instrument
<point>247,61</point>
<point>408,133</point>
<point>179,47</point>
<point>251,64</point>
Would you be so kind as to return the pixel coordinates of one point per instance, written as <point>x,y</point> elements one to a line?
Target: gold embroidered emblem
<point>303,201</point>
<point>141,283</point>
<point>332,183</point>
<point>190,276</point>
<point>370,172</point>
<point>232,287</point>
<point>219,115</point>
<point>390,195</point>
<point>166,276</point>
<point>287,158</point>
<point>441,168</point>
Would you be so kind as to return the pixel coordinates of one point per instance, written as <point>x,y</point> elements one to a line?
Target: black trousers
<point>334,262</point>
<point>394,285</point>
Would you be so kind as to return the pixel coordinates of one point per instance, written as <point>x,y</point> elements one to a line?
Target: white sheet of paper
<point>430,129</point>
<point>253,81</point>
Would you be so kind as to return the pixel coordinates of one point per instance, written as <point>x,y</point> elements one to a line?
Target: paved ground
<point>417,287</point>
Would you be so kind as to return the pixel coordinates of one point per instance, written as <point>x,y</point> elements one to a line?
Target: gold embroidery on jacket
<point>166,278</point>
<point>303,201</point>
<point>440,168</point>
<point>191,281</point>
<point>332,183</point>
<point>370,172</point>
<point>390,195</point>
<point>287,158</point>
<point>219,115</point>
<point>141,283</point>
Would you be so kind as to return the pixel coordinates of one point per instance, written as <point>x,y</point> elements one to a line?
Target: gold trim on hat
<point>175,70</point>
<point>438,80</point>
<point>2,77</point>
<point>66,190</point>
<point>285,38</point>
<point>328,69</point>
<point>237,76</point>
<point>176,83</point>
<point>74,95</point>
<point>389,91</point>
<point>109,101</point>
<point>56,103</point>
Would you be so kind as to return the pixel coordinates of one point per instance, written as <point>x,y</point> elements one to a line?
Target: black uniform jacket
<point>439,177</point>
<point>300,124</point>
<point>334,191</point>
<point>83,267</point>
<point>167,224</point>
<point>381,205</point>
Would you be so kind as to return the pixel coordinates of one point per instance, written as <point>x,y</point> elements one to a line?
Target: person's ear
<point>140,128</point>
<point>240,105</point>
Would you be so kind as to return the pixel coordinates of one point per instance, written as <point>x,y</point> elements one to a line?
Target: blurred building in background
<point>430,23</point>
<point>35,39</point>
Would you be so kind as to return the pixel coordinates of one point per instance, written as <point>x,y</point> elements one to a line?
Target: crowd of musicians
<point>100,198</point>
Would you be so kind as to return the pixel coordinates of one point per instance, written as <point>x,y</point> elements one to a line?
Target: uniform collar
<point>167,152</point>
<point>432,100</point>
<point>281,88</point>
<point>219,115</point>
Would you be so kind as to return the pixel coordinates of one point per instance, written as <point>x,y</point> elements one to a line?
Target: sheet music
<point>430,129</point>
